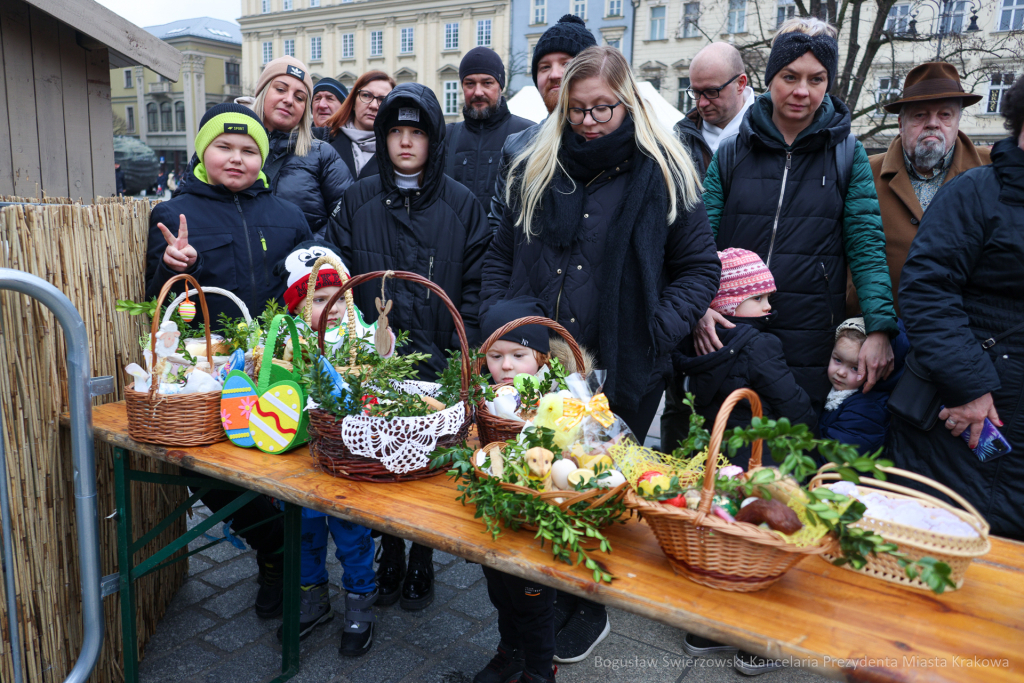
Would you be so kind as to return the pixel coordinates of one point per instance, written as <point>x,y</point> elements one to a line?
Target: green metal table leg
<point>290,636</point>
<point>123,494</point>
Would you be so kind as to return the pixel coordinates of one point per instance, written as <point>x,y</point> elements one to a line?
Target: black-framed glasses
<point>365,96</point>
<point>602,113</point>
<point>710,93</point>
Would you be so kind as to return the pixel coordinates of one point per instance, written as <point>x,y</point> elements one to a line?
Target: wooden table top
<point>836,622</point>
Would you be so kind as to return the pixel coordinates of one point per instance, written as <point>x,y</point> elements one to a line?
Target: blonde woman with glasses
<point>605,225</point>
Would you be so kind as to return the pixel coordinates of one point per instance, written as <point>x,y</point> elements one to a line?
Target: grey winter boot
<point>357,635</point>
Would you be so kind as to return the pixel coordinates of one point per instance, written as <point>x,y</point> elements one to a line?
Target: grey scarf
<point>364,144</point>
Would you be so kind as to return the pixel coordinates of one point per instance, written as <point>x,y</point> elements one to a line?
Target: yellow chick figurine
<point>549,409</point>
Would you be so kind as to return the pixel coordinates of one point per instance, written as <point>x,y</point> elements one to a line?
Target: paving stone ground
<point>210,634</point>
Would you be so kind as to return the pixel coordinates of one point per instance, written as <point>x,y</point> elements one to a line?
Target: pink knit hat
<point>744,275</point>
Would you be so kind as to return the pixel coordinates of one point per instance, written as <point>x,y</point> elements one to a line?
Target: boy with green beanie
<point>227,230</point>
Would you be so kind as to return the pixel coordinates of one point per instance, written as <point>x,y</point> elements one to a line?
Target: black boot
<point>504,667</point>
<point>418,589</point>
<point>270,597</point>
<point>390,569</point>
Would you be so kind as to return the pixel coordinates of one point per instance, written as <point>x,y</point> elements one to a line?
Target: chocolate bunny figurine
<point>382,337</point>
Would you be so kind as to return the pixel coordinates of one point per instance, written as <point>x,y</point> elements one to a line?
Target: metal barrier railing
<point>80,392</point>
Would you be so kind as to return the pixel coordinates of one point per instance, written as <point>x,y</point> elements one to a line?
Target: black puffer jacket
<point>962,284</point>
<point>439,231</point>
<point>688,132</point>
<point>514,144</point>
<point>314,183</point>
<point>475,163</point>
<point>227,230</point>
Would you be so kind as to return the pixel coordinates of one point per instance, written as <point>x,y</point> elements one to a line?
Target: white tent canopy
<point>530,105</point>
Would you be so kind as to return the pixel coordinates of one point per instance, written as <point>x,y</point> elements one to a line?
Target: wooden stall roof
<point>128,44</point>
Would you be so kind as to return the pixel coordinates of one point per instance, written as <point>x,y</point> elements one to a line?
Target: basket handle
<point>350,308</point>
<point>708,492</point>
<point>533,320</point>
<point>460,327</point>
<point>208,290</point>
<point>154,383</point>
<point>824,474</point>
<point>263,382</point>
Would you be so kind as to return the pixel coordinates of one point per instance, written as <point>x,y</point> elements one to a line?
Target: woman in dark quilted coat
<point>962,298</point>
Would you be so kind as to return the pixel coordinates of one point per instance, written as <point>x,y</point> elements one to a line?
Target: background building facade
<point>668,33</point>
<point>422,41</point>
<point>165,114</point>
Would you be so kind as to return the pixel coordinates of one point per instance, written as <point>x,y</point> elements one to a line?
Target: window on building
<point>1012,16</point>
<point>953,20</point>
<point>376,43</point>
<point>348,45</point>
<point>314,3</point>
<point>786,10</point>
<point>451,36</point>
<point>691,17</point>
<point>483,32</point>
<point>737,16</point>
<point>127,78</point>
<point>129,118</point>
<point>407,45</point>
<point>152,117</point>
<point>658,23</point>
<point>165,117</point>
<point>616,43</point>
<point>897,21</point>
<point>614,8</point>
<point>997,86</point>
<point>289,47</point>
<point>315,43</point>
<point>579,8</point>
<point>685,101</point>
<point>179,116</point>
<point>540,11</point>
<point>451,98</point>
<point>232,73</point>
<point>888,90</point>
<point>264,6</point>
<point>286,5</point>
<point>268,52</point>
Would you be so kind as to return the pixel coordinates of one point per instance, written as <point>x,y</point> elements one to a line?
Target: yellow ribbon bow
<point>573,410</point>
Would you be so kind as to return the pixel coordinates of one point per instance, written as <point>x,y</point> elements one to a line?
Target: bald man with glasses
<point>721,95</point>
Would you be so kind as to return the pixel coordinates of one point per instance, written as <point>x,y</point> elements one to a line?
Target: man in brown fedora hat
<point>928,152</point>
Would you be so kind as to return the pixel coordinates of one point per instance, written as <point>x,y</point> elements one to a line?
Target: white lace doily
<point>402,444</point>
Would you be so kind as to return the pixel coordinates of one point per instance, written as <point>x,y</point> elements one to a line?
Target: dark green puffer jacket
<point>817,233</point>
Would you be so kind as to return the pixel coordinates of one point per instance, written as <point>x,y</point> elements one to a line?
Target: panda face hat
<point>297,266</point>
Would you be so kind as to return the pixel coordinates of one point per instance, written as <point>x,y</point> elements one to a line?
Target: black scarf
<point>630,272</point>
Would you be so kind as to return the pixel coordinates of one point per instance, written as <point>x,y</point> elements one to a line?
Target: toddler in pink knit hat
<point>745,285</point>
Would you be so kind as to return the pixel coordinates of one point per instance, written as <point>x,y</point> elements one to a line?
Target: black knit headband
<point>789,47</point>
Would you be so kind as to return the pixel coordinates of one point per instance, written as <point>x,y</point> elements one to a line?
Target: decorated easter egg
<point>278,422</point>
<point>525,381</point>
<point>237,399</point>
<point>511,392</point>
<point>725,503</point>
<point>187,310</point>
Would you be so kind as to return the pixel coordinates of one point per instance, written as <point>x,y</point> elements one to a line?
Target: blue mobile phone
<point>992,443</point>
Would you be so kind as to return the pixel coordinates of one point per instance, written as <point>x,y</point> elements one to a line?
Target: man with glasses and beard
<point>474,145</point>
<point>929,151</point>
<point>721,95</point>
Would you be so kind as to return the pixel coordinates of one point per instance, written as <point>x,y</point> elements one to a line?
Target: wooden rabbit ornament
<point>382,337</point>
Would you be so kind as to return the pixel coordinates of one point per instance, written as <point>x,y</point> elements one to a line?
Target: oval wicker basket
<point>734,556</point>
<point>176,419</point>
<point>490,426</point>
<point>593,497</point>
<point>327,444</point>
<point>956,551</point>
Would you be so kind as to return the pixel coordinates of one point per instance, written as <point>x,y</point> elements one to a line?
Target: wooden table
<point>836,622</point>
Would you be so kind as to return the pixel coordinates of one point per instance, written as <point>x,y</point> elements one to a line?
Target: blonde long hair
<point>301,136</point>
<point>812,26</point>
<point>538,162</point>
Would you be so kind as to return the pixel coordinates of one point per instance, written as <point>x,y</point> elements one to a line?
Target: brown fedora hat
<point>932,81</point>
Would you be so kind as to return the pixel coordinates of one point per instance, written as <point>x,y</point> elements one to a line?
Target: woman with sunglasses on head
<point>606,227</point>
<point>351,127</point>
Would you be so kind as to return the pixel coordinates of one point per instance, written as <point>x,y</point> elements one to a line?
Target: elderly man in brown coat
<point>928,152</point>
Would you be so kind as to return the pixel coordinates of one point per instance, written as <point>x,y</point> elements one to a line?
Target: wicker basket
<point>494,428</point>
<point>595,497</point>
<point>327,444</point>
<point>956,551</point>
<point>175,420</point>
<point>734,556</point>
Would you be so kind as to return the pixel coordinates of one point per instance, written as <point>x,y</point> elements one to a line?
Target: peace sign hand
<point>179,256</point>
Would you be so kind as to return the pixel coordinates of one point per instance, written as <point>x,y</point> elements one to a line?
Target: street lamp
<point>944,10</point>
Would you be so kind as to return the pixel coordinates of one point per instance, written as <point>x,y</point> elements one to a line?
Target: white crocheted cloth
<point>402,444</point>
<point>836,398</point>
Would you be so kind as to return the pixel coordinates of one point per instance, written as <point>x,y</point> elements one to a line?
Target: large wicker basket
<point>563,500</point>
<point>327,444</point>
<point>734,556</point>
<point>956,551</point>
<point>490,426</point>
<point>175,420</point>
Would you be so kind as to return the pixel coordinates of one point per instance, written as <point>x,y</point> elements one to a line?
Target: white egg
<point>613,479</point>
<point>560,471</point>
